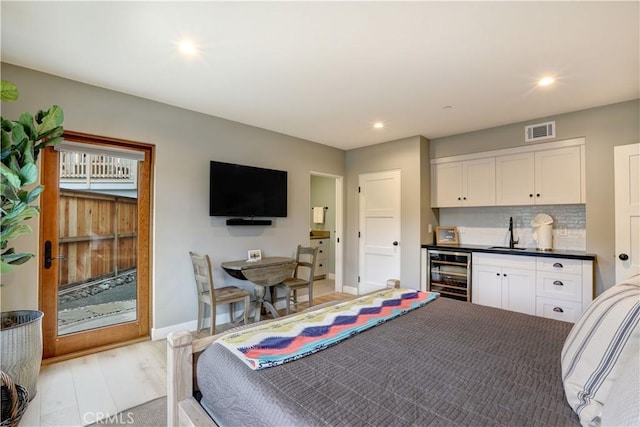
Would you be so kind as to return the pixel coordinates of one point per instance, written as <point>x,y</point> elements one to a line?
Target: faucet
<point>512,243</point>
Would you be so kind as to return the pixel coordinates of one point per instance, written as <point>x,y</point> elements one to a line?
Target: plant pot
<point>21,347</point>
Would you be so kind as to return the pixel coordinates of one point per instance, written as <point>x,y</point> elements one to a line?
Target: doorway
<point>379,229</point>
<point>326,194</point>
<point>95,238</point>
<point>627,210</point>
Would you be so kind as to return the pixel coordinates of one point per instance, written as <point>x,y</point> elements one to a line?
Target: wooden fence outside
<point>97,236</point>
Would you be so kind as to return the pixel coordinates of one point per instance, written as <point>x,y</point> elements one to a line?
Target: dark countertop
<point>560,253</point>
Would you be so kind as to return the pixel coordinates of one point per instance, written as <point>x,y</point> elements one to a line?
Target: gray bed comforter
<point>448,363</point>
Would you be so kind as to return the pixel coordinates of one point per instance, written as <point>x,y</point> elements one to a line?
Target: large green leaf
<point>17,216</point>
<point>53,133</point>
<point>17,134</point>
<point>28,154</point>
<point>29,173</point>
<point>17,258</point>
<point>51,120</point>
<point>48,142</point>
<point>11,233</point>
<point>26,120</point>
<point>8,91</point>
<point>10,175</point>
<point>6,139</point>
<point>33,194</point>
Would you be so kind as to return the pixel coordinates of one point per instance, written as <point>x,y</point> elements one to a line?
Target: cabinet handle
<point>320,242</point>
<point>530,194</point>
<point>459,198</point>
<point>464,198</point>
<point>558,310</point>
<point>505,274</point>
<point>558,283</point>
<point>558,265</point>
<point>537,194</point>
<point>498,274</point>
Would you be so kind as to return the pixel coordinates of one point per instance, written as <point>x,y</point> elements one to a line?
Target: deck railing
<point>82,167</point>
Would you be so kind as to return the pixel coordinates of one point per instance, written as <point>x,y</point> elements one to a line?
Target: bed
<point>447,363</point>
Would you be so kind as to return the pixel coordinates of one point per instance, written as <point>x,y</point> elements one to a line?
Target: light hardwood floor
<point>83,390</point>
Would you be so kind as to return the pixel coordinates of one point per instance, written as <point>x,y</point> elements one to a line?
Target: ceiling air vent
<point>540,131</point>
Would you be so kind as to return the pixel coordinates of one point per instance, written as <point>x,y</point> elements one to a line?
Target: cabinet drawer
<point>322,253</point>
<point>499,260</point>
<point>321,269</point>
<point>566,311</point>
<point>319,243</point>
<point>559,286</point>
<point>560,265</point>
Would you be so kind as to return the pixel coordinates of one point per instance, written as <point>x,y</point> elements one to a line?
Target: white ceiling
<point>326,71</point>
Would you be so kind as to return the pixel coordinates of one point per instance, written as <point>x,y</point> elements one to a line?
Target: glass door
<point>95,244</point>
<point>449,274</point>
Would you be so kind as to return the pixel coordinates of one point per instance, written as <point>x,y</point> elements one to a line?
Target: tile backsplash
<point>490,225</point>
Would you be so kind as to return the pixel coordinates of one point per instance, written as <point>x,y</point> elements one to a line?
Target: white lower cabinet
<point>503,282</point>
<point>556,288</point>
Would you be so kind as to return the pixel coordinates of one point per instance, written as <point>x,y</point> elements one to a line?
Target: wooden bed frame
<point>182,351</point>
<point>182,408</point>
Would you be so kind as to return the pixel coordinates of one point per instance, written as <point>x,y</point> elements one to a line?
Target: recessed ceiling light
<point>546,81</point>
<point>378,125</point>
<point>186,47</point>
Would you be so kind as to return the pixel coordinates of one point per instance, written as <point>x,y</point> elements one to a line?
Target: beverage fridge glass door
<point>449,273</point>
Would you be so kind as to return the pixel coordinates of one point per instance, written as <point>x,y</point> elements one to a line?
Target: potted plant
<point>22,140</point>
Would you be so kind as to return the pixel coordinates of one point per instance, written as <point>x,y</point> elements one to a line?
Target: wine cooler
<point>449,273</point>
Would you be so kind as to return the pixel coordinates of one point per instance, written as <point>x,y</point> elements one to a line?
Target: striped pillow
<point>603,341</point>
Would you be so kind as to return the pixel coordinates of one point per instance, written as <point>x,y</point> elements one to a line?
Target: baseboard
<point>162,333</point>
<point>331,276</point>
<point>350,290</point>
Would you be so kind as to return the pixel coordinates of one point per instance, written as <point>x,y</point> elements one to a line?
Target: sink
<point>507,248</point>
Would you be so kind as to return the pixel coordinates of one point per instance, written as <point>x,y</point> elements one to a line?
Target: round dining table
<point>264,273</point>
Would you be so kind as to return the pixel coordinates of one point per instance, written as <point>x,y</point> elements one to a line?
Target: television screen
<point>246,191</point>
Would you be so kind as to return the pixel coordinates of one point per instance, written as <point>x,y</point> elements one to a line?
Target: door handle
<point>395,243</point>
<point>623,257</point>
<point>47,255</point>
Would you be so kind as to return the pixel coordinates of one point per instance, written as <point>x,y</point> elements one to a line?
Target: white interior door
<point>379,251</point>
<point>627,210</point>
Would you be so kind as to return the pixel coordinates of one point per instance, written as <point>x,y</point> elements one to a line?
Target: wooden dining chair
<point>302,276</point>
<point>209,295</point>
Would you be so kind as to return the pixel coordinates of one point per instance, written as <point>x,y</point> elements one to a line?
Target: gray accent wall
<point>603,128</point>
<point>405,155</point>
<point>185,142</point>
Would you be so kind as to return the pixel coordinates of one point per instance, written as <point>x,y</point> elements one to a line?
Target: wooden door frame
<point>110,336</point>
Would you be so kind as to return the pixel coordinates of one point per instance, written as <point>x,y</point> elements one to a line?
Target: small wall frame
<point>447,236</point>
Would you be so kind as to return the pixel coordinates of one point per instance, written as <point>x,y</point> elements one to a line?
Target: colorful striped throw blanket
<point>274,343</point>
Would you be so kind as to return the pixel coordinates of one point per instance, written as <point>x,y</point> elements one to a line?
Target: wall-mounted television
<point>247,191</point>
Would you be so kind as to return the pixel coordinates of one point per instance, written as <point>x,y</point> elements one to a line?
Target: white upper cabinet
<point>515,179</point>
<point>544,174</point>
<point>464,183</point>
<point>558,176</point>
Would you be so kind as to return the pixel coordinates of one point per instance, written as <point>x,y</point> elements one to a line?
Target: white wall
<point>185,142</point>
